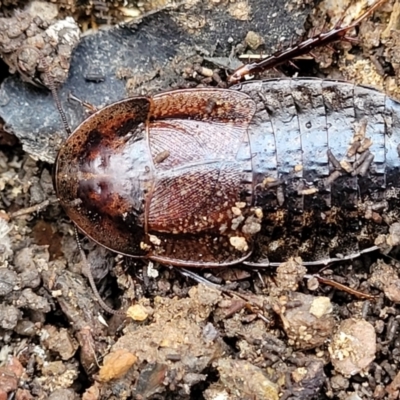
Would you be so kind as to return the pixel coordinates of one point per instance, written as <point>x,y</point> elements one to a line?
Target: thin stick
<point>32,209</point>
<point>343,288</point>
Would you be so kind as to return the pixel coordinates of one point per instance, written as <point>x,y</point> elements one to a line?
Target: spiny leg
<point>282,56</point>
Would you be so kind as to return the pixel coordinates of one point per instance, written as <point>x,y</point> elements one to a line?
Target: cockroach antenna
<point>53,90</point>
<point>50,83</point>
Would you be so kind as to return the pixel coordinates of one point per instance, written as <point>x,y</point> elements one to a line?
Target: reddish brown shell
<point>167,178</point>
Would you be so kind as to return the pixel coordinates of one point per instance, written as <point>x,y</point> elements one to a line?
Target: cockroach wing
<point>199,211</point>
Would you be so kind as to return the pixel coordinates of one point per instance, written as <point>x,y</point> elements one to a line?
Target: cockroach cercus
<point>253,174</point>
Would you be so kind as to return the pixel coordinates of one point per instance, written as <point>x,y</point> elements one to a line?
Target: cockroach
<point>253,174</point>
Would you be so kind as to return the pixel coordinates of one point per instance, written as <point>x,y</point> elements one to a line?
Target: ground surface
<point>256,335</point>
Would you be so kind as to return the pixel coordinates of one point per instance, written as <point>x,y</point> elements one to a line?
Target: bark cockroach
<point>211,177</point>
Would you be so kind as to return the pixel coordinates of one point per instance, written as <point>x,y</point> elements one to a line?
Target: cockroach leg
<point>324,262</point>
<point>89,275</point>
<point>197,278</point>
<point>282,56</point>
<point>90,108</point>
<point>254,308</point>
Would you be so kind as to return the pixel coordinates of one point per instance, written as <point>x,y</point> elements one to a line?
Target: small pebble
<point>8,281</point>
<point>9,316</point>
<point>31,300</point>
<point>116,365</point>
<point>245,381</point>
<point>137,312</point>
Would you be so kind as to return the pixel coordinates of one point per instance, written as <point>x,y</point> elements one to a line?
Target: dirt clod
<point>307,320</point>
<point>58,341</point>
<point>241,380</point>
<point>385,277</point>
<point>158,342</point>
<point>9,316</point>
<point>290,274</point>
<point>35,30</point>
<point>353,346</point>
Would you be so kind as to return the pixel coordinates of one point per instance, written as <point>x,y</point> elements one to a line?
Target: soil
<point>242,333</point>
